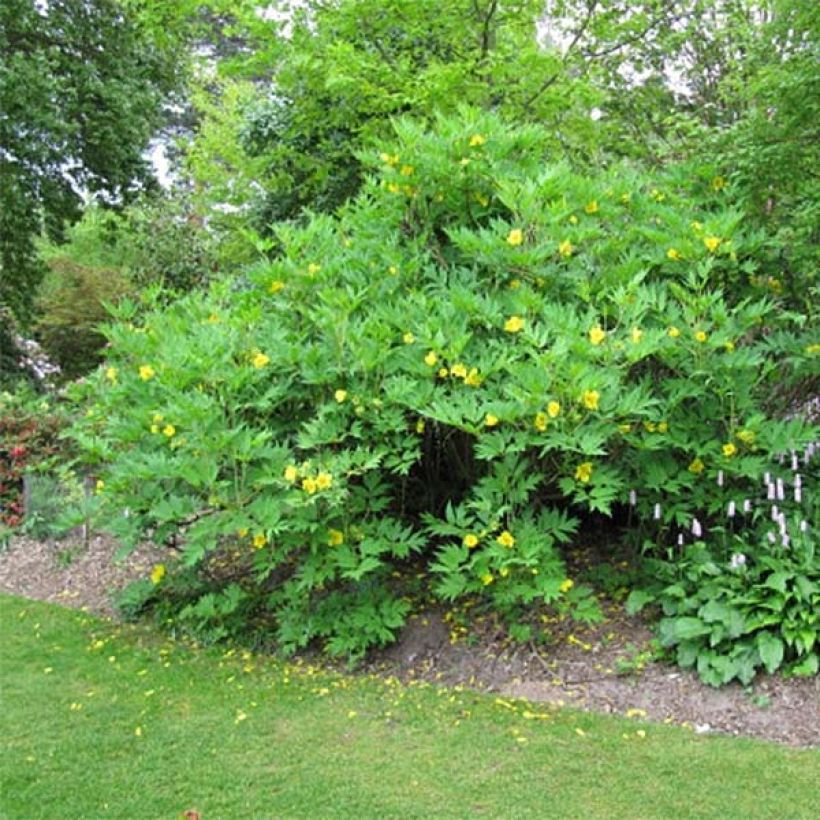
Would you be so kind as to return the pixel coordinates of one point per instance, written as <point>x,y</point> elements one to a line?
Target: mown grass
<point>107,721</point>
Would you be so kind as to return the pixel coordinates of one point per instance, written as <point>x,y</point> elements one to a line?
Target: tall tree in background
<point>82,86</point>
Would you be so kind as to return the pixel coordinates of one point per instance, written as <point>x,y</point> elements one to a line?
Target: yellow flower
<point>392,270</point>
<point>504,572</point>
<point>591,207</point>
<point>626,199</point>
<point>259,540</point>
<point>718,183</point>
<point>111,373</point>
<point>259,360</point>
<point>443,372</point>
<point>565,248</point>
<point>540,422</point>
<point>482,200</point>
<point>514,324</point>
<point>157,573</point>
<point>506,539</point>
<point>420,425</point>
<point>486,579</point>
<point>673,254</point>
<point>515,237</point>
<point>472,379</point>
<point>812,350</point>
<point>276,286</point>
<point>567,585</point>
<point>389,159</point>
<point>100,485</point>
<point>697,466</point>
<point>340,395</point>
<point>637,333</point>
<point>408,338</point>
<point>663,427</point>
<point>597,334</point>
<point>657,195</point>
<point>746,436</point>
<point>406,170</point>
<point>650,426</point>
<point>393,188</point>
<point>590,399</point>
<point>476,140</point>
<point>147,372</point>
<point>673,332</point>
<point>712,243</point>
<point>154,428</point>
<point>431,359</point>
<point>309,485</point>
<point>701,336</point>
<point>625,428</point>
<point>313,269</point>
<point>554,409</point>
<point>583,472</point>
<point>242,532</point>
<point>573,220</point>
<point>291,473</point>
<point>335,538</point>
<point>169,430</point>
<point>324,481</point>
<point>459,371</point>
<point>470,540</point>
<point>729,449</point>
<point>490,420</point>
<point>697,227</point>
<point>514,284</point>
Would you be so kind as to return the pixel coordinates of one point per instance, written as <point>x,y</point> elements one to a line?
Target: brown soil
<point>604,668</point>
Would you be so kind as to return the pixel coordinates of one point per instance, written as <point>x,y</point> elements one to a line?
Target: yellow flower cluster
<point>111,374</point>
<point>697,466</point>
<point>335,538</point>
<point>158,573</point>
<point>146,372</point>
<point>597,334</point>
<point>565,248</point>
<point>515,324</point>
<point>477,140</point>
<point>590,399</point>
<point>506,539</point>
<point>310,484</point>
<point>515,237</point>
<point>470,540</point>
<point>259,359</point>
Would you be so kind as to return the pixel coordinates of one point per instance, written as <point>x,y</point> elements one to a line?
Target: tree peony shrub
<point>438,385</point>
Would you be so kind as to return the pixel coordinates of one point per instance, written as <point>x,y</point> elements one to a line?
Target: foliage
<point>30,428</point>
<point>481,349</point>
<point>81,92</point>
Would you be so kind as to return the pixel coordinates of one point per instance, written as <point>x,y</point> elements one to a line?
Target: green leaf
<point>637,600</point>
<point>771,650</point>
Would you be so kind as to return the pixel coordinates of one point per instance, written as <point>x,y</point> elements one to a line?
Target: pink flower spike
<point>767,478</point>
<point>785,540</point>
<point>781,492</point>
<point>697,531</point>
<point>798,495</point>
<point>720,478</point>
<point>657,512</point>
<point>747,506</point>
<point>732,509</point>
<point>770,494</point>
<point>804,526</point>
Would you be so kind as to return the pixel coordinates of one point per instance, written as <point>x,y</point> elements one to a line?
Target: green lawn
<point>101,721</point>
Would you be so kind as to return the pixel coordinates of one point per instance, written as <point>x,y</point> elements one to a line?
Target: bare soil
<point>603,668</point>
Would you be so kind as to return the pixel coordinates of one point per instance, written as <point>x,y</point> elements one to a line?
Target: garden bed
<point>603,668</point>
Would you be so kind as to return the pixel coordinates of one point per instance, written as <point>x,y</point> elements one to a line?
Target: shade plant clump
<point>438,385</point>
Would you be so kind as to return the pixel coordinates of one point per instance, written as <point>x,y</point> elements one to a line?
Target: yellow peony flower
<point>746,436</point>
<point>565,248</point>
<point>515,237</point>
<point>637,333</point>
<point>701,336</point>
<point>470,540</point>
<point>324,481</point>
<point>729,449</point>
<point>157,573</point>
<point>169,430</point>
<point>111,373</point>
<point>567,585</point>
<point>259,540</point>
<point>443,372</point>
<point>477,140</point>
<point>276,286</point>
<point>712,243</point>
<point>554,409</point>
<point>154,428</point>
<point>506,539</point>
<point>309,485</point>
<point>407,170</point>
<point>597,334</point>
<point>259,360</point>
<point>313,269</point>
<point>487,579</point>
<point>490,420</point>
<point>540,422</point>
<point>663,427</point>
<point>583,472</point>
<point>408,338</point>
<point>335,538</point>
<point>514,324</point>
<point>591,207</point>
<point>459,371</point>
<point>146,372</point>
<point>697,466</point>
<point>590,399</point>
<point>472,379</point>
<point>420,425</point>
<point>291,473</point>
<point>718,183</point>
<point>573,220</point>
<point>431,359</point>
<point>340,395</point>
<point>242,532</point>
<point>673,254</point>
<point>673,332</point>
